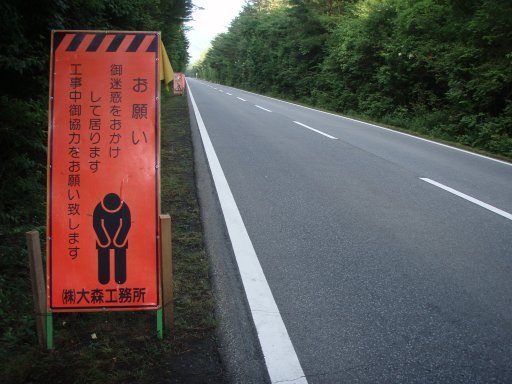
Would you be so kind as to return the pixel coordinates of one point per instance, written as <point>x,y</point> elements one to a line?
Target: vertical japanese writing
<point>94,132</point>
<point>139,111</point>
<point>74,157</point>
<point>116,98</point>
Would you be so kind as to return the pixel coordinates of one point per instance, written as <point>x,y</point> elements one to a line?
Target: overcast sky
<point>212,20</point>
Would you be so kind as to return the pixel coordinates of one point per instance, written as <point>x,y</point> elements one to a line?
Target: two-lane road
<point>389,257</point>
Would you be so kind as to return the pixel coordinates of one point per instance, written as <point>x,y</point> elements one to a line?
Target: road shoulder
<point>238,341</point>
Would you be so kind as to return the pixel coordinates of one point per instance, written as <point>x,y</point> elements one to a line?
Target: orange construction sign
<point>179,83</point>
<point>104,171</point>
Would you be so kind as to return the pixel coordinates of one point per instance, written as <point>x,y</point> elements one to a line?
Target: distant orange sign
<point>179,83</point>
<point>103,171</point>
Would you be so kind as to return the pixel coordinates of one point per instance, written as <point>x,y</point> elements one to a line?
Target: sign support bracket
<point>167,310</point>
<point>44,321</point>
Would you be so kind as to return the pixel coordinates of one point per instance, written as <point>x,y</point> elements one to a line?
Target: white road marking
<point>469,198</point>
<point>386,129</point>
<point>220,90</point>
<point>239,98</point>
<point>316,130</point>
<point>227,93</point>
<point>280,357</point>
<point>265,109</point>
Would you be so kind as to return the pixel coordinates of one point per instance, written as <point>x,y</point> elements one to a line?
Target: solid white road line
<point>316,130</point>
<point>265,109</point>
<point>469,198</point>
<point>239,98</point>
<point>282,362</point>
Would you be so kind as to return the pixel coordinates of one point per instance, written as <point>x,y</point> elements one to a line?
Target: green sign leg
<point>160,323</point>
<point>49,330</point>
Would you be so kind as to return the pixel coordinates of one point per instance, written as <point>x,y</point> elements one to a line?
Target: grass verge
<point>124,348</point>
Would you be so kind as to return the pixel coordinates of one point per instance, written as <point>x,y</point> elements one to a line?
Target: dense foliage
<point>25,28</point>
<point>440,67</point>
<point>24,65</point>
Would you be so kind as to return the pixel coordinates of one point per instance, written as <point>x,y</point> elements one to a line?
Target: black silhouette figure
<point>111,221</point>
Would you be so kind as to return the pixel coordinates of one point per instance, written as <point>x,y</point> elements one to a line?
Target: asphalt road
<point>389,257</point>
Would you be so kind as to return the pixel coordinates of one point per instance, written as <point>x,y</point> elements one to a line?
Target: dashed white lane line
<point>260,107</point>
<point>384,128</point>
<point>469,198</point>
<point>316,130</point>
<point>227,93</point>
<point>239,98</point>
<point>280,357</point>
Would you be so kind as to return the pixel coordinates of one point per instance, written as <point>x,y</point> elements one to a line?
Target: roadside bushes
<point>438,67</point>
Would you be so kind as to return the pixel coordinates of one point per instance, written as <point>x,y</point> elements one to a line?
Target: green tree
<point>25,31</point>
<point>24,64</point>
<point>271,47</point>
<point>440,67</point>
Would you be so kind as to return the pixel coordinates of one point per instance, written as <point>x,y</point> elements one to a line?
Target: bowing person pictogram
<point>111,222</point>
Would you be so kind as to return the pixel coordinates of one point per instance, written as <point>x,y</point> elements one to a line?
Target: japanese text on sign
<point>103,173</point>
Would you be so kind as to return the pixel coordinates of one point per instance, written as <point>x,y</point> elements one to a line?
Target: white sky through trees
<point>208,22</point>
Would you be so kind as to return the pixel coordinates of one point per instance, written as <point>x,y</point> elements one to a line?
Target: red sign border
<point>99,308</point>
